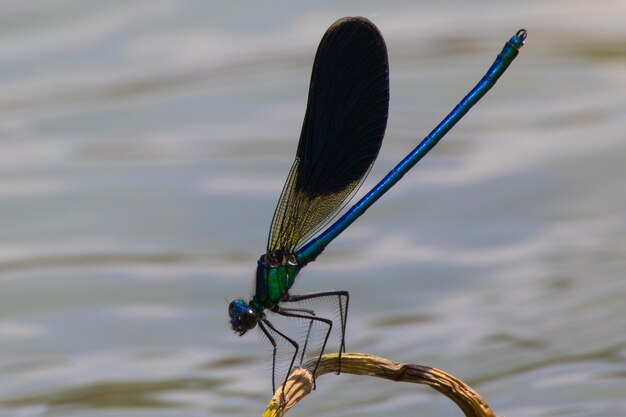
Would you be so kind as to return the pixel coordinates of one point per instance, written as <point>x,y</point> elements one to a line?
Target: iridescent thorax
<point>275,274</point>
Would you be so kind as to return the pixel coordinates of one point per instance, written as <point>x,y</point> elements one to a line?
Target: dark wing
<point>343,129</point>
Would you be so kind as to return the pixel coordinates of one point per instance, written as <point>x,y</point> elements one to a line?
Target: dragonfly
<point>344,125</point>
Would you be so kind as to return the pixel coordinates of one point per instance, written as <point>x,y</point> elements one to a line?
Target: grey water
<point>143,146</point>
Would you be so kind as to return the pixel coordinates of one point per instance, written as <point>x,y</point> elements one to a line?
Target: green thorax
<point>275,274</point>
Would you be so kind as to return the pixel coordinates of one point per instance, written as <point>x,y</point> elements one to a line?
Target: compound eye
<point>232,307</point>
<point>248,319</point>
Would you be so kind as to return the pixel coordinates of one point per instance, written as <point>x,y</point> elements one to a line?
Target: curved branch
<point>300,382</point>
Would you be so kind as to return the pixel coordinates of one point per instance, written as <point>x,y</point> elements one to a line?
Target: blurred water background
<point>143,147</point>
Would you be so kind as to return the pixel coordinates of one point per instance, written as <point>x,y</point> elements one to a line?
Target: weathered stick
<point>300,382</point>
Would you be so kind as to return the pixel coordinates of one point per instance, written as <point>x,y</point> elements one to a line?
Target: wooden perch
<point>300,382</point>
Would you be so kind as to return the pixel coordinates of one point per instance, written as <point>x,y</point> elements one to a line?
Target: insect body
<point>344,125</point>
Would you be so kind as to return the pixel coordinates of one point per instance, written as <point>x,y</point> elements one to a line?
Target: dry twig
<point>300,382</point>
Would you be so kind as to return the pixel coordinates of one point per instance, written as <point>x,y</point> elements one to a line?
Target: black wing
<point>343,129</point>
